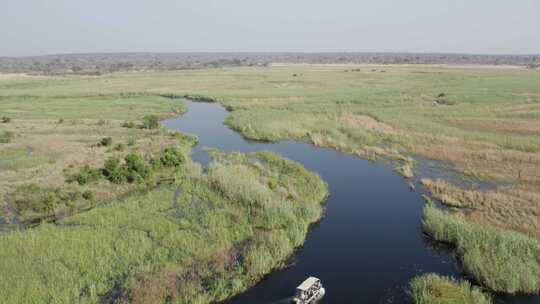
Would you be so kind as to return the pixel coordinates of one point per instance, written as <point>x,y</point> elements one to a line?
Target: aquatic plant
<point>501,260</point>
<point>434,289</point>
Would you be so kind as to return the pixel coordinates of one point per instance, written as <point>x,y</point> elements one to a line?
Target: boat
<point>309,292</point>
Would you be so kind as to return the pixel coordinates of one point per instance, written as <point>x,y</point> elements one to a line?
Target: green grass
<point>228,232</point>
<point>433,289</point>
<point>112,107</point>
<point>503,261</point>
<point>21,158</point>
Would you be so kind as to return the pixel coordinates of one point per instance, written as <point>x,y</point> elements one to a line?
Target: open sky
<point>33,27</point>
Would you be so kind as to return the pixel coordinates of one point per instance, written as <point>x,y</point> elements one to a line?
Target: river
<point>369,244</point>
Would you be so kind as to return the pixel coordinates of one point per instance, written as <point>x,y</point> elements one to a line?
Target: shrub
<point>170,157</point>
<point>433,289</point>
<point>60,121</point>
<point>88,195</point>
<point>119,147</point>
<point>101,122</point>
<point>131,142</point>
<point>86,175</point>
<point>137,169</point>
<point>442,99</point>
<point>6,119</point>
<point>150,122</point>
<point>128,124</point>
<point>273,184</point>
<point>105,142</point>
<point>134,170</point>
<point>113,171</point>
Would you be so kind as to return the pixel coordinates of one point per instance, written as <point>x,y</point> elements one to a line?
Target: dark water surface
<point>369,244</point>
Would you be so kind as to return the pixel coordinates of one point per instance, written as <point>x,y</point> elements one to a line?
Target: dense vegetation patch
<point>503,261</point>
<point>105,142</point>
<point>32,201</point>
<point>213,240</point>
<point>150,122</point>
<point>85,175</point>
<point>433,289</point>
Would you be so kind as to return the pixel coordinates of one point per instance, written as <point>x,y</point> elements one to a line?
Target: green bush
<point>433,289</point>
<point>86,175</point>
<point>137,169</point>
<point>273,184</point>
<point>131,142</point>
<point>170,157</point>
<point>114,171</point>
<point>119,147</point>
<point>105,142</point>
<point>128,124</point>
<point>88,195</point>
<point>6,119</point>
<point>150,122</point>
<point>134,170</point>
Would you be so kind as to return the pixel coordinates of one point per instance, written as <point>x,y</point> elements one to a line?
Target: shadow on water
<point>368,246</point>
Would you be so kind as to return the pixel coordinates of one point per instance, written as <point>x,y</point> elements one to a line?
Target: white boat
<point>310,291</point>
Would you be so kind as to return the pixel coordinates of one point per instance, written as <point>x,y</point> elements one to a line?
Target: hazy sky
<point>31,27</point>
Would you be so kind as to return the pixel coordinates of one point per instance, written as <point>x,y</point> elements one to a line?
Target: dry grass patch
<point>365,122</point>
<point>514,208</point>
<point>517,127</point>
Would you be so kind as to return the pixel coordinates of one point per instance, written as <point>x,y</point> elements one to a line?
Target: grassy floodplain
<point>483,120</point>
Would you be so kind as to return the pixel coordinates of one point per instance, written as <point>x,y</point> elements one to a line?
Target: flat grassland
<point>484,121</point>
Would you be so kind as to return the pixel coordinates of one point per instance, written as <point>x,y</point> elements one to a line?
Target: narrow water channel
<point>369,244</point>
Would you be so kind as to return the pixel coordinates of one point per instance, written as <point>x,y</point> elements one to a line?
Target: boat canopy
<point>307,283</point>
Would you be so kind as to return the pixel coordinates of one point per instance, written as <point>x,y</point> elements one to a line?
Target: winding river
<point>369,244</point>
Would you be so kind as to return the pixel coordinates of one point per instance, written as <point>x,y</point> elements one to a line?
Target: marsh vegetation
<point>226,230</point>
<point>433,289</point>
<point>503,261</point>
<point>87,141</point>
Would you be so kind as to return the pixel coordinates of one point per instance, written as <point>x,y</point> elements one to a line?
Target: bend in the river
<point>369,244</point>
